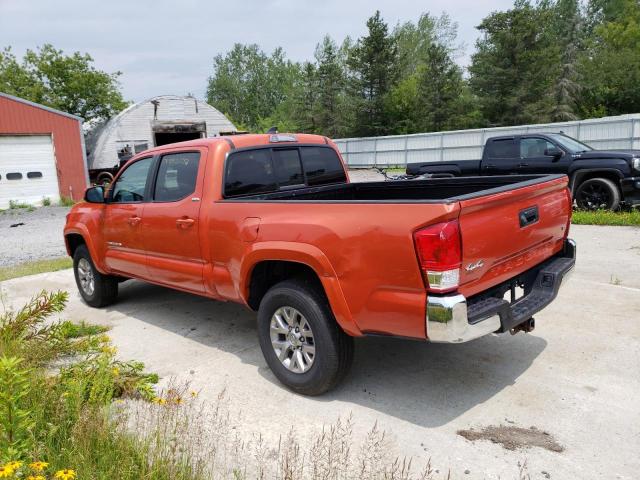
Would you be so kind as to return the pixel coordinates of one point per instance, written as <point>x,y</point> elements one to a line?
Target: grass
<point>32,268</point>
<point>66,201</point>
<point>606,217</point>
<point>64,416</point>
<point>15,205</point>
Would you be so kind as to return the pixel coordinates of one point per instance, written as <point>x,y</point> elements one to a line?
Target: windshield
<point>570,144</point>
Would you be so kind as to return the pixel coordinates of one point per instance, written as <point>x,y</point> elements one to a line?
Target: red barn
<point>42,153</point>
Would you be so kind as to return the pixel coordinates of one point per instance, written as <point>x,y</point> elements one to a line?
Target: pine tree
<point>374,71</point>
<point>566,89</point>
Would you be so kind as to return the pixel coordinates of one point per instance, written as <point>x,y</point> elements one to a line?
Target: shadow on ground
<point>425,384</point>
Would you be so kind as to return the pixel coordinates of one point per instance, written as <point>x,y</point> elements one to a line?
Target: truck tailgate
<point>508,231</point>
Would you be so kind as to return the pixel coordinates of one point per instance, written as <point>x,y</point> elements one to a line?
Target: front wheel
<point>300,339</point>
<point>96,289</point>
<point>598,194</point>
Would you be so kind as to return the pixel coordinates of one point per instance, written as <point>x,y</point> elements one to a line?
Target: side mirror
<point>94,194</point>
<point>553,152</point>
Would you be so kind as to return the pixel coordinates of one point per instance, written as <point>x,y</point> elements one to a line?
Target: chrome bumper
<point>448,316</point>
<point>447,321</point>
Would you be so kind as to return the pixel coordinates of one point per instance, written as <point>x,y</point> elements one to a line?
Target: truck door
<point>170,228</point>
<point>124,249</point>
<point>501,157</point>
<point>534,158</point>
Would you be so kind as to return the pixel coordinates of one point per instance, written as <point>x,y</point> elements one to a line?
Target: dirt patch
<point>514,438</point>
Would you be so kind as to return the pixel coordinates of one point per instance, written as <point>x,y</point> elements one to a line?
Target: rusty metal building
<point>42,153</point>
<point>157,121</point>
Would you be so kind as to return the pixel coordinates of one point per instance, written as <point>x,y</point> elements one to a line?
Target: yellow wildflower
<point>38,466</point>
<point>15,465</point>
<point>194,394</point>
<point>159,400</point>
<point>66,474</point>
<point>36,477</point>
<point>115,371</point>
<point>178,400</point>
<point>109,349</point>
<point>6,471</point>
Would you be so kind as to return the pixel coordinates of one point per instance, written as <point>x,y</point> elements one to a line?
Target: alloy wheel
<point>85,276</point>
<point>292,339</point>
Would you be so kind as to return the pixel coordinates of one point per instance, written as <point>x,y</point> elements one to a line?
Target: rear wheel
<point>300,339</point>
<point>96,289</point>
<point>598,194</point>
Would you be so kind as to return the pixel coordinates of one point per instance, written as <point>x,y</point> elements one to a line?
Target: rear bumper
<point>631,190</point>
<point>455,319</point>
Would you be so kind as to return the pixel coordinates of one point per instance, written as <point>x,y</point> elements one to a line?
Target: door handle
<point>523,164</point>
<point>185,222</point>
<point>490,165</point>
<point>133,221</point>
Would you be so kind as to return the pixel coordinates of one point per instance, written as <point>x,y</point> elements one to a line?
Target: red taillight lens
<point>439,250</point>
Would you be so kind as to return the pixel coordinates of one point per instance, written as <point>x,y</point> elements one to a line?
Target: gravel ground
<point>364,175</point>
<point>39,238</point>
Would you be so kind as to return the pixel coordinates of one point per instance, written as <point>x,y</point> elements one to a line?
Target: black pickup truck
<point>598,179</point>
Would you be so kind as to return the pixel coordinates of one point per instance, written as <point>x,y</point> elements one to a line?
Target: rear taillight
<point>439,250</point>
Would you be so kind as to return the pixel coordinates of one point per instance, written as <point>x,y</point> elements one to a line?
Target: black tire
<point>597,194</point>
<point>333,348</point>
<point>105,287</point>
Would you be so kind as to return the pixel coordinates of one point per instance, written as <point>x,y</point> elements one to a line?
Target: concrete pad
<point>576,377</point>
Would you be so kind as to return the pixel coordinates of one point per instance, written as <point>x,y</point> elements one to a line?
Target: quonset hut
<point>151,123</point>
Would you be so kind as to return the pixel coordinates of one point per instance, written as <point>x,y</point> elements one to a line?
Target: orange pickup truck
<point>272,222</point>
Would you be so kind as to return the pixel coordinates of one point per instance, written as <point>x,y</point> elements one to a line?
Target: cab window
<point>249,172</point>
<point>322,166</point>
<point>287,167</point>
<point>131,185</point>
<point>534,147</point>
<point>502,148</point>
<point>177,176</point>
<point>267,170</point>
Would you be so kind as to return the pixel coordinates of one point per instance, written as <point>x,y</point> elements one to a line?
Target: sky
<point>164,47</point>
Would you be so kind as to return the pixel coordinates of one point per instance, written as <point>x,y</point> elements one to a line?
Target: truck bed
<point>437,190</point>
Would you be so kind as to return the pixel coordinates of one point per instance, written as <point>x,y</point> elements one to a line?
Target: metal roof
<point>43,107</point>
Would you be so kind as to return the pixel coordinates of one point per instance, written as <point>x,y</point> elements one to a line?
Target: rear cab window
<point>265,170</point>
<point>503,148</point>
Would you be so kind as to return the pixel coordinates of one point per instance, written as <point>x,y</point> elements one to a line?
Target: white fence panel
<point>398,150</point>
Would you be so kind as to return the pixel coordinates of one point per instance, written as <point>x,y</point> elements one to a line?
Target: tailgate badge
<point>474,266</point>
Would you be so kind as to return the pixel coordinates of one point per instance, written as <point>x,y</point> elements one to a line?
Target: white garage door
<point>27,169</point>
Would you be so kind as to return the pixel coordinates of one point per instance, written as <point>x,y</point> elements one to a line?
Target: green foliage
<point>611,60</point>
<point>539,61</point>
<point>64,415</point>
<point>556,61</point>
<point>15,415</point>
<point>46,202</point>
<point>511,68</point>
<point>66,201</point>
<point>374,69</point>
<point>14,205</point>
<point>69,329</point>
<point>248,85</point>
<point>606,217</point>
<point>66,82</point>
